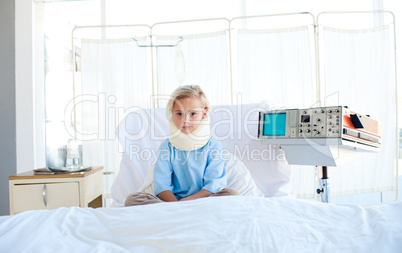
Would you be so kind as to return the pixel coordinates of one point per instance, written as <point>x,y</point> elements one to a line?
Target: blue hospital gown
<point>187,172</point>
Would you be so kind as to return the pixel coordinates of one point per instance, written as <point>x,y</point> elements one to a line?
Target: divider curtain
<point>114,79</point>
<point>358,71</point>
<point>277,65</point>
<point>200,59</point>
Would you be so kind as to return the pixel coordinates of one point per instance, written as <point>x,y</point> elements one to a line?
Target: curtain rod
<point>152,45</point>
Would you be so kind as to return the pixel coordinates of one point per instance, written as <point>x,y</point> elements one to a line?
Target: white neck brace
<point>192,141</point>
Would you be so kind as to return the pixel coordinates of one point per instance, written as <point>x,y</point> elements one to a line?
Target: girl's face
<point>188,113</point>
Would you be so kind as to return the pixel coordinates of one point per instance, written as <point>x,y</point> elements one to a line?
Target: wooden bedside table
<point>29,191</point>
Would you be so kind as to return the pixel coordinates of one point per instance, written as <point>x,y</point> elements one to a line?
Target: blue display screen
<point>274,124</point>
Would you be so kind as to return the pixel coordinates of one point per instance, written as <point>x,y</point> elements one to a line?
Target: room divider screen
<point>292,60</point>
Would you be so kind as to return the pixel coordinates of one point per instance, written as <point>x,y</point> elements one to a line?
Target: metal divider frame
<point>230,28</point>
<point>153,46</point>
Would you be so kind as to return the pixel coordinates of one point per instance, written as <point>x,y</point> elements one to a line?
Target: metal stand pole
<point>325,189</point>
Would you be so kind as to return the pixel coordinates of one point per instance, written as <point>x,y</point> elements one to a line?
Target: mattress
<point>214,224</point>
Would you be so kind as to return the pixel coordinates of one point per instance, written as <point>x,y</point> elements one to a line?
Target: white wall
<point>7,101</point>
<point>21,98</point>
<point>23,85</point>
<point>29,76</point>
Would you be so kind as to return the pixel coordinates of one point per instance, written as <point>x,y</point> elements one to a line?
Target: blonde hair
<point>186,91</point>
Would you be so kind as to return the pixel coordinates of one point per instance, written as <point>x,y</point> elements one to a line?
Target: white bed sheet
<point>216,224</point>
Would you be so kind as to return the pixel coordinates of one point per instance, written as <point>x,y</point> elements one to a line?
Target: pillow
<point>148,186</point>
<point>238,177</point>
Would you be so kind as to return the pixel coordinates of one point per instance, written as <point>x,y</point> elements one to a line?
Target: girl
<point>189,164</point>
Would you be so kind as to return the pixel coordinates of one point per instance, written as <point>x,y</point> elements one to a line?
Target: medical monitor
<point>311,135</point>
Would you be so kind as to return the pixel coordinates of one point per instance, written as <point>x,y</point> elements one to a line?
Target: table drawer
<point>45,196</point>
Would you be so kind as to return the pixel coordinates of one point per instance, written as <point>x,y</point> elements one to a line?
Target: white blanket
<point>215,224</point>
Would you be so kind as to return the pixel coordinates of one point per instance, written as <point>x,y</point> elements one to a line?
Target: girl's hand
<point>167,196</point>
<point>201,194</point>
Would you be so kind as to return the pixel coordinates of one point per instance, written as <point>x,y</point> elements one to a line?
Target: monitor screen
<point>274,124</point>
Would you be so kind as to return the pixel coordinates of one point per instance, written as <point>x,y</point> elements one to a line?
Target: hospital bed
<point>266,218</point>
